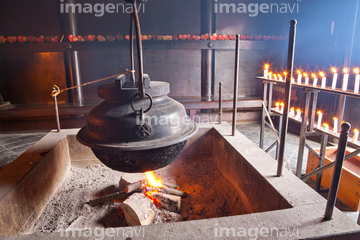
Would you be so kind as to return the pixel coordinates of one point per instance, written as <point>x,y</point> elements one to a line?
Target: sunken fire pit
<point>230,182</point>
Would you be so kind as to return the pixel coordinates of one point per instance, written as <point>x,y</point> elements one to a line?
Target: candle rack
<point>308,127</point>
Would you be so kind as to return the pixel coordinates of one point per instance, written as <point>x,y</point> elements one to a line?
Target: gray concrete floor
<point>13,145</point>
<point>252,131</point>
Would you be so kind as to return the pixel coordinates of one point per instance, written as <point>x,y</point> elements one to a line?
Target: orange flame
<point>326,125</point>
<point>282,104</point>
<point>333,70</point>
<point>154,200</point>
<point>277,104</point>
<point>346,71</point>
<point>313,75</point>
<point>322,74</point>
<point>356,71</point>
<point>319,112</point>
<point>285,73</point>
<point>298,71</point>
<point>305,75</point>
<point>266,66</point>
<point>152,180</point>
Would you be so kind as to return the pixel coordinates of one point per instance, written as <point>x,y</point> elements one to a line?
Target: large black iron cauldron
<point>123,141</point>
<point>137,128</point>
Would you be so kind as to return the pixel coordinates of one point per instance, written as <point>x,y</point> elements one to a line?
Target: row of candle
<point>279,77</point>
<point>324,127</point>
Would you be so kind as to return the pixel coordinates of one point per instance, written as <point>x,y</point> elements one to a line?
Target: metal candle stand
<point>307,128</point>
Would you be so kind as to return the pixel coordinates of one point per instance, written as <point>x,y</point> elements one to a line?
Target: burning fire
<point>333,70</point>
<point>322,74</point>
<point>266,66</point>
<point>346,71</point>
<point>305,75</point>
<point>152,181</point>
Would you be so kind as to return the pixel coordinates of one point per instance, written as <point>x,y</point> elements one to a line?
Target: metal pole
<point>71,58</point>
<point>303,133</point>
<point>57,113</point>
<point>340,156</point>
<point>207,55</point>
<point>289,70</point>
<point>236,82</point>
<point>220,102</point>
<point>324,141</point>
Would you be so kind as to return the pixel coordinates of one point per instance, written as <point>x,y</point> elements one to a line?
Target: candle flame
<point>335,118</point>
<point>277,104</point>
<point>279,75</point>
<point>322,74</point>
<point>292,109</point>
<point>313,75</point>
<point>305,75</point>
<point>319,112</point>
<point>326,125</point>
<point>285,73</point>
<point>346,71</point>
<point>266,66</point>
<point>356,131</point>
<point>356,71</point>
<point>298,110</point>
<point>292,79</point>
<point>282,104</point>
<point>334,70</point>
<point>298,71</point>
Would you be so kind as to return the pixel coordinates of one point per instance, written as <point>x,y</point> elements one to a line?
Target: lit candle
<point>275,76</point>
<point>357,80</point>
<point>306,79</point>
<point>285,74</point>
<point>319,119</point>
<point>298,114</point>
<point>266,70</point>
<point>292,112</point>
<point>315,80</point>
<point>356,135</point>
<point>282,107</point>
<point>336,122</point>
<point>292,80</point>
<point>333,85</point>
<point>345,80</point>
<point>323,80</point>
<point>280,77</point>
<point>270,75</point>
<point>299,77</point>
<point>326,127</point>
<point>277,107</point>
